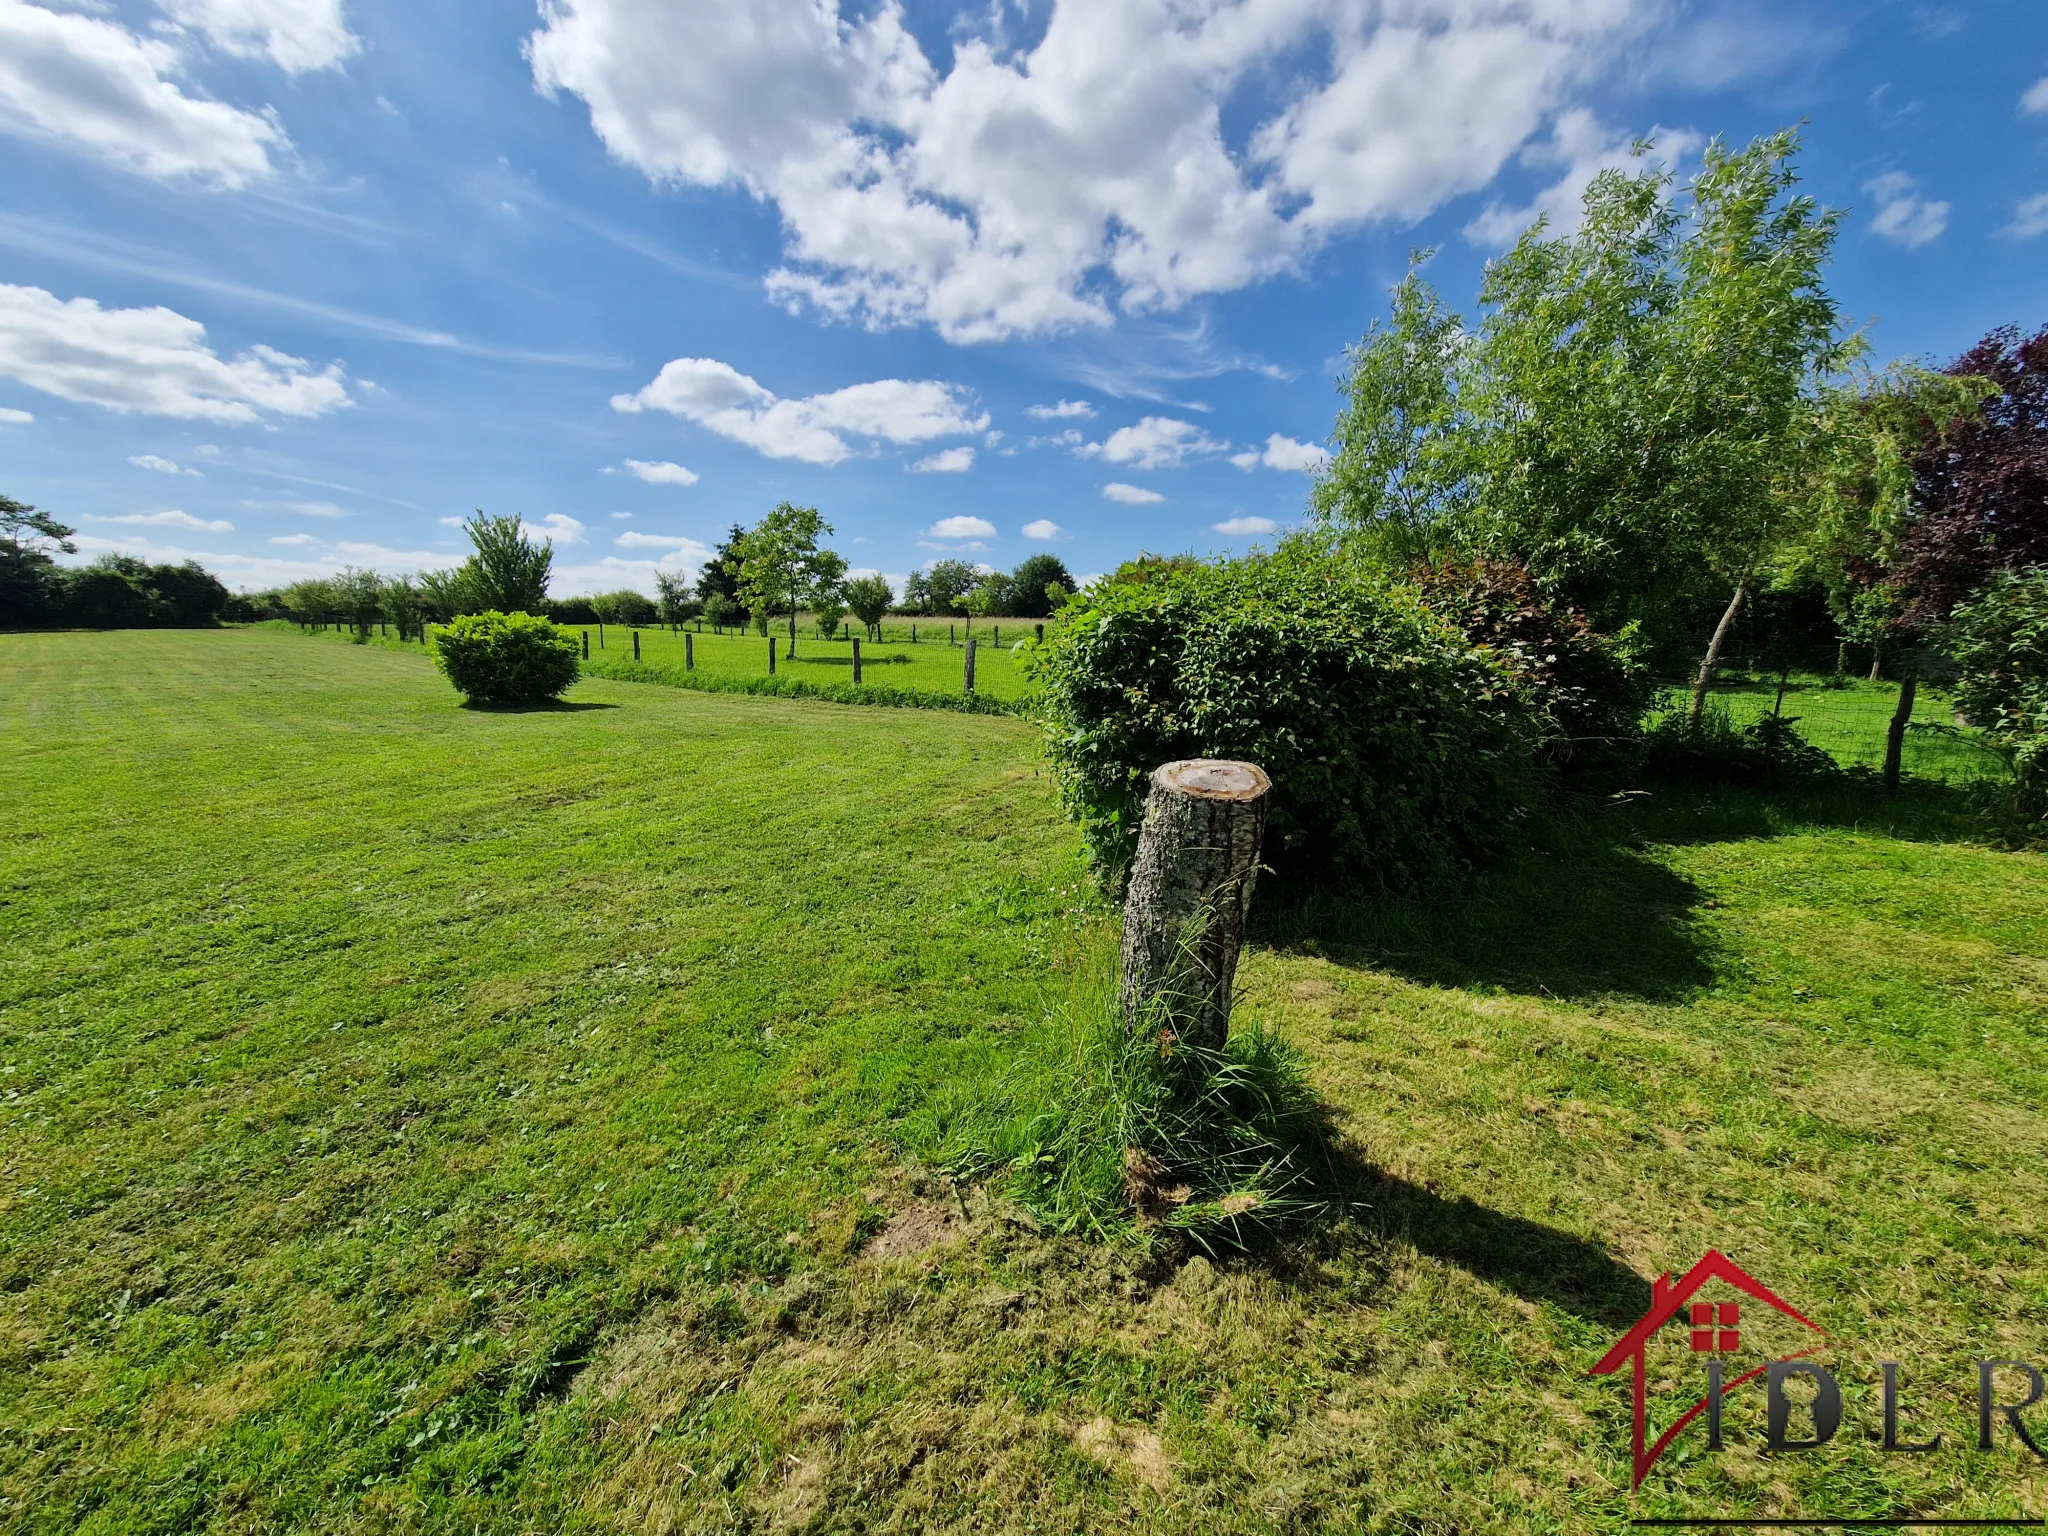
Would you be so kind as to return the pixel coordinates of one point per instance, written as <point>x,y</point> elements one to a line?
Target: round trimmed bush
<point>1399,750</point>
<point>507,658</point>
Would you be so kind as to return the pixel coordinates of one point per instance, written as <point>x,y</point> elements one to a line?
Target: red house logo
<point>1715,1330</point>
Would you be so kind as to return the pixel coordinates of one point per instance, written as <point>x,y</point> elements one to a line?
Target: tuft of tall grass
<point>1104,1129</point>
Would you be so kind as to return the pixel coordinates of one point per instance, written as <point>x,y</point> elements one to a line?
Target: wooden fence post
<point>600,634</point>
<point>1189,894</point>
<point>1040,631</point>
<point>771,655</point>
<point>856,661</point>
<point>636,645</point>
<point>952,635</point>
<point>970,664</point>
<point>586,645</point>
<point>689,651</point>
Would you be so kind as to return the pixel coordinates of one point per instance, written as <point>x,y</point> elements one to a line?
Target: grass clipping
<point>1107,1129</point>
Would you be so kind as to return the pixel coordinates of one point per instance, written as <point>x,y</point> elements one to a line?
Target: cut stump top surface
<point>1213,778</point>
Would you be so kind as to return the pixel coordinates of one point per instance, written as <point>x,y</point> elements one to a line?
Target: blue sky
<point>287,284</point>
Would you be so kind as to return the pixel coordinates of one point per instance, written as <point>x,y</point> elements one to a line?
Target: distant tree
<point>675,601</point>
<point>1026,597</point>
<point>1981,494</point>
<point>31,586</point>
<point>782,566</point>
<point>108,594</point>
<point>359,599</point>
<point>192,596</point>
<point>625,606</point>
<point>446,593</point>
<point>312,601</point>
<point>947,583</point>
<point>917,592</point>
<point>720,609</point>
<point>509,572</point>
<point>869,597</point>
<point>721,573</point>
<point>401,600</point>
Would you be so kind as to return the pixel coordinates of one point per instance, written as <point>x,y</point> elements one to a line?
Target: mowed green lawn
<point>426,1119</point>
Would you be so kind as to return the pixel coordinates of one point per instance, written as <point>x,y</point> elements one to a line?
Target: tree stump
<point>1190,892</point>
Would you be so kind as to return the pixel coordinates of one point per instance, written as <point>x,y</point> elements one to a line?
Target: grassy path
<point>414,1118</point>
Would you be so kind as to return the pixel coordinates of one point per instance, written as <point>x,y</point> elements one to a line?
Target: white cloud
<point>562,529</point>
<point>254,571</point>
<point>1582,148</point>
<point>1061,411</point>
<point>151,362</point>
<point>614,571</point>
<point>93,85</point>
<point>721,398</point>
<point>296,540</point>
<point>961,528</point>
<point>2035,101</point>
<point>1283,452</point>
<point>947,461</point>
<point>660,472</point>
<point>1044,528</point>
<point>320,509</point>
<point>1027,190</point>
<point>1240,527</point>
<point>161,465</point>
<point>634,540</point>
<point>295,35</point>
<point>167,520</point>
<point>1902,214</point>
<point>622,517</point>
<point>14,418</point>
<point>1157,442</point>
<point>2030,218</point>
<point>453,522</point>
<point>1130,495</point>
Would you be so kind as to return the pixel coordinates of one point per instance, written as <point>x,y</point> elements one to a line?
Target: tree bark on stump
<point>1189,894</point>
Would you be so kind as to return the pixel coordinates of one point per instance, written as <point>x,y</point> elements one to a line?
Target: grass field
<point>930,664</point>
<point>1849,721</point>
<point>428,1119</point>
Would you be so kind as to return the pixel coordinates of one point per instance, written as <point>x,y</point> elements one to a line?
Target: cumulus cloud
<point>1022,191</point>
<point>635,540</point>
<point>947,461</point>
<point>814,429</point>
<point>14,418</point>
<point>1283,452</point>
<point>683,557</point>
<point>1130,495</point>
<point>1902,214</point>
<point>2030,218</point>
<point>560,528</point>
<point>660,472</point>
<point>1241,527</point>
<point>1062,411</point>
<point>1044,528</point>
<point>151,362</point>
<point>452,522</point>
<point>295,35</point>
<point>296,541</point>
<point>2035,101</point>
<point>94,86</point>
<point>1581,148</point>
<point>961,528</point>
<point>1157,442</point>
<point>162,466</point>
<point>167,520</point>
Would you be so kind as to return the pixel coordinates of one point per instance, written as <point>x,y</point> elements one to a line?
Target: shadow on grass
<point>540,707</point>
<point>1588,909</point>
<point>1538,1263</point>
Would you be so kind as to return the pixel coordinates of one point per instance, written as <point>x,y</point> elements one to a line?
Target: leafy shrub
<point>1768,750</point>
<point>1398,751</point>
<point>1999,642</point>
<point>506,658</point>
<point>1588,690</point>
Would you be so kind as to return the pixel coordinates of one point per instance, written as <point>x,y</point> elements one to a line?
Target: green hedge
<point>1399,751</point>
